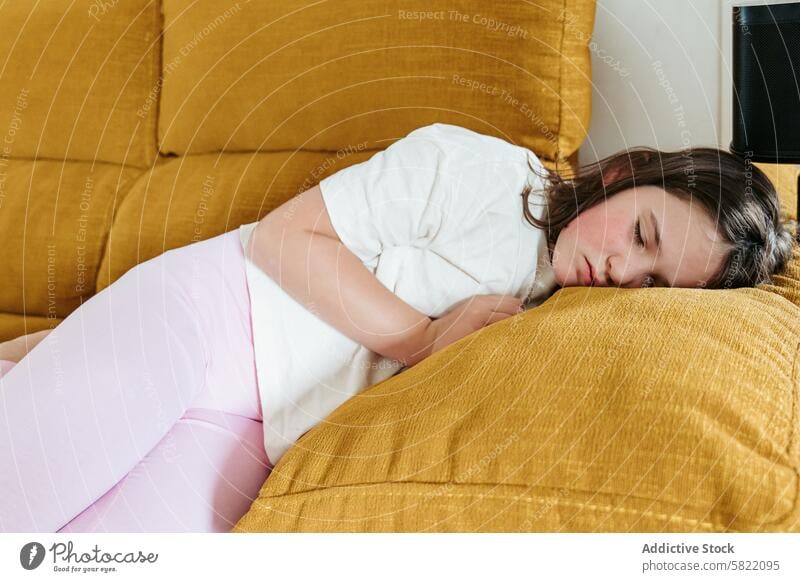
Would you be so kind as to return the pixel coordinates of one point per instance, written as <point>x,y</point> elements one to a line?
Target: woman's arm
<point>16,349</point>
<point>297,247</point>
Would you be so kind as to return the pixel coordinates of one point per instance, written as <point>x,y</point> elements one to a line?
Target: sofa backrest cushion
<point>319,75</point>
<point>80,80</point>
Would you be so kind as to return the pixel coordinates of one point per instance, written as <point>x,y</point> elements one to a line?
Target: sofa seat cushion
<point>601,410</point>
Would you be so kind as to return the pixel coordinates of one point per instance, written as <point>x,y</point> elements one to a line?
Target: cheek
<point>600,230</point>
<point>588,229</point>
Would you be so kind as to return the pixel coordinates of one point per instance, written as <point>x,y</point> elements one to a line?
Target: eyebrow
<point>658,238</point>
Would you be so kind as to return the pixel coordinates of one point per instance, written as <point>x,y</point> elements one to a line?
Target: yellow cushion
<point>14,325</point>
<point>54,222</point>
<point>784,176</point>
<point>80,79</point>
<point>304,74</point>
<point>601,410</point>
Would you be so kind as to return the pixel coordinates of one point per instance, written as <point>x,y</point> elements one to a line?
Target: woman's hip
<point>212,274</point>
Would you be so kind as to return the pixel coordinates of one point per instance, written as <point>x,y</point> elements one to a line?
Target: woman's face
<point>605,236</point>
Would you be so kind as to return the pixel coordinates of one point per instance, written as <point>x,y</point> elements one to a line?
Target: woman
<point>162,403</point>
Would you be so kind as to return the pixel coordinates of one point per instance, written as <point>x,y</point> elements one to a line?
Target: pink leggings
<point>140,411</point>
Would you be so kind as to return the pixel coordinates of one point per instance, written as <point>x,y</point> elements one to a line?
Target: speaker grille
<point>766,82</point>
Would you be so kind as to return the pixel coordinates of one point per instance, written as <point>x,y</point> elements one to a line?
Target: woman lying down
<point>163,401</point>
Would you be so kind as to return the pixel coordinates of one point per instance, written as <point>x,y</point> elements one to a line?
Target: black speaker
<point>766,82</point>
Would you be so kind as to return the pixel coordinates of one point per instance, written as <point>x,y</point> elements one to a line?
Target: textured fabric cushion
<point>601,410</point>
<point>54,222</point>
<point>307,74</point>
<point>784,176</point>
<point>14,324</point>
<point>80,79</point>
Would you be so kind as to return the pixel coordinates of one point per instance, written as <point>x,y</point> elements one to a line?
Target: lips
<point>588,273</point>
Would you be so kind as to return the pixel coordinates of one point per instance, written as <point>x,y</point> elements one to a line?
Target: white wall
<point>657,75</point>
<point>662,75</point>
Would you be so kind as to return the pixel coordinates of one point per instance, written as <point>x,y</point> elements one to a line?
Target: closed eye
<point>640,241</point>
<point>638,231</point>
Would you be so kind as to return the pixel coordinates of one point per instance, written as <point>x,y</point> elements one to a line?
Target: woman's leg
<point>202,477</point>
<point>111,381</point>
<point>204,474</point>
<point>15,349</point>
<point>5,366</point>
<point>86,404</point>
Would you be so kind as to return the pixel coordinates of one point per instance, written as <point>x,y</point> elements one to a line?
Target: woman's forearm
<point>330,281</point>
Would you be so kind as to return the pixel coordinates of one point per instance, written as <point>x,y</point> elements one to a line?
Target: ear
<point>611,174</point>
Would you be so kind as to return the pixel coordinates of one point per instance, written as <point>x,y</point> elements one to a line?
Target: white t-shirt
<point>436,217</point>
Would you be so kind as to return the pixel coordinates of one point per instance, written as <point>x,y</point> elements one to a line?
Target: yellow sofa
<point>134,127</point>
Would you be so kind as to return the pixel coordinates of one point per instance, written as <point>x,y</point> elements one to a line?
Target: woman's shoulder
<point>471,142</point>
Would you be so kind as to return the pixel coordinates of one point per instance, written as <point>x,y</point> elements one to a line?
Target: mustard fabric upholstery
<point>614,410</point>
<point>784,176</point>
<point>14,325</point>
<point>77,79</point>
<point>320,75</point>
<point>78,115</point>
<point>54,223</point>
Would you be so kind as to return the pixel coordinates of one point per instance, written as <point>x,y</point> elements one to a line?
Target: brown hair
<point>732,189</point>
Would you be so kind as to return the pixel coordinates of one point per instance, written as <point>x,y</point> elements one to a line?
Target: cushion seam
<point>591,506</point>
<point>155,65</point>
<point>561,80</point>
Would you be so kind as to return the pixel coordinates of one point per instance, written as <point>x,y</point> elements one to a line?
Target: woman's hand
<point>465,317</point>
